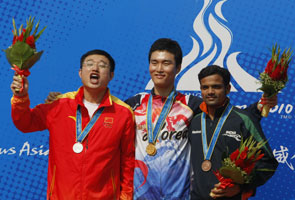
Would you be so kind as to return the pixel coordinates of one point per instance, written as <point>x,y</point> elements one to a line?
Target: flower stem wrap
<point>21,73</point>
<point>265,110</point>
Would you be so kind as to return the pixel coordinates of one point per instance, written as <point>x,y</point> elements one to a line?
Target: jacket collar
<point>105,102</point>
<point>158,96</point>
<point>219,110</point>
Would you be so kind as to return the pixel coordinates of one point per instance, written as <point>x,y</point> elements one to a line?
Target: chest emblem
<point>108,122</point>
<point>232,134</point>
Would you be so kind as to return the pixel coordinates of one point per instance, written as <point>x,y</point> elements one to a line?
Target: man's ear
<point>80,73</point>
<point>227,89</point>
<point>112,74</point>
<point>178,68</point>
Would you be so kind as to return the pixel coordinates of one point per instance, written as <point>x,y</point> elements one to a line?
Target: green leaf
<point>19,53</point>
<point>233,173</point>
<point>36,28</point>
<point>265,170</point>
<point>39,34</point>
<point>32,60</point>
<point>14,27</point>
<point>20,30</point>
<point>268,89</point>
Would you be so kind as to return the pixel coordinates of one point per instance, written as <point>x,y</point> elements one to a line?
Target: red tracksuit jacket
<point>104,169</point>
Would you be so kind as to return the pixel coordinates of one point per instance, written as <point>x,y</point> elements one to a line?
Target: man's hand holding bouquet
<point>238,168</point>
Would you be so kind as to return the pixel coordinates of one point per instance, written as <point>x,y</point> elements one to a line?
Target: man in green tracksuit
<point>218,129</point>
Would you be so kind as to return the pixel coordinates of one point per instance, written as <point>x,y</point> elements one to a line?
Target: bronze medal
<point>151,149</point>
<point>206,165</point>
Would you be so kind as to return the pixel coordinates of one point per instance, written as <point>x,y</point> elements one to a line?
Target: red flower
<point>21,37</point>
<point>18,38</point>
<point>249,168</point>
<point>14,39</point>
<point>259,157</point>
<point>270,68</point>
<point>31,41</point>
<point>234,155</point>
<point>278,72</point>
<point>243,155</point>
<point>239,163</point>
<point>252,158</point>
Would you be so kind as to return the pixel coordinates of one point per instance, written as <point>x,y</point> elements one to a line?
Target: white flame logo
<point>207,53</point>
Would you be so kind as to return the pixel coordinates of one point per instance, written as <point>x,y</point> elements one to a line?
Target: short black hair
<point>99,52</point>
<point>215,69</point>
<point>166,44</point>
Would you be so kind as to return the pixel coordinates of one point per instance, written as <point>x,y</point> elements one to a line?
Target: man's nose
<point>159,67</point>
<point>96,67</point>
<point>211,90</point>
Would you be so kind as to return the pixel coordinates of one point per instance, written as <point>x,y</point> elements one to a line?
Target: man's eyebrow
<point>153,60</point>
<point>166,60</point>
<point>211,85</point>
<point>97,62</point>
<point>103,62</point>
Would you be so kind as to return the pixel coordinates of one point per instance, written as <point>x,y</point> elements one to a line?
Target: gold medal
<point>151,149</point>
<point>206,165</point>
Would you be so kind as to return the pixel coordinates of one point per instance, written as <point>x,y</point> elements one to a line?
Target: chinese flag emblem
<point>108,122</point>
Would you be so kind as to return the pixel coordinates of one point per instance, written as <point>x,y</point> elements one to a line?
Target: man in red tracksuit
<point>91,143</point>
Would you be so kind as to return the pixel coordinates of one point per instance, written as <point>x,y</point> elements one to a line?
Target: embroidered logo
<point>232,134</point>
<point>141,127</point>
<point>196,132</point>
<point>108,122</point>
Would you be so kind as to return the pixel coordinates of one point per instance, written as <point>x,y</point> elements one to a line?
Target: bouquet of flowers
<point>274,77</point>
<point>238,167</point>
<point>22,54</point>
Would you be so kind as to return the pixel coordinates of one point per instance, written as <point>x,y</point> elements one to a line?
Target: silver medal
<point>78,147</point>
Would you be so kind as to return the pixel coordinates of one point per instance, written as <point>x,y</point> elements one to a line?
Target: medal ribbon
<point>80,135</point>
<point>207,151</point>
<point>153,132</point>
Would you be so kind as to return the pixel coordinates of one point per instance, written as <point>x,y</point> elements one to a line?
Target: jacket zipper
<point>114,184</point>
<point>52,182</point>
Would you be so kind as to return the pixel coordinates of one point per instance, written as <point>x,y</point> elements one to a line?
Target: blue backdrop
<point>235,34</point>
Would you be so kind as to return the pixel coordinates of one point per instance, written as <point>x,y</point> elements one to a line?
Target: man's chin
<point>160,84</point>
<point>211,103</point>
<point>95,87</point>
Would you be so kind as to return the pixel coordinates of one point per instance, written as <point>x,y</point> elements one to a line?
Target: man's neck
<point>163,92</point>
<point>211,112</point>
<point>212,109</point>
<point>94,96</point>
